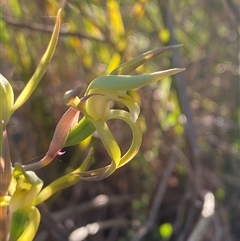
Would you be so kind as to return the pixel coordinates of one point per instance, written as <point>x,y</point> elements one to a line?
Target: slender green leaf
<point>37,76</point>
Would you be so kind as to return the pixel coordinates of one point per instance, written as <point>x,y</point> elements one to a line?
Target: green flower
<point>25,193</point>
<point>6,100</point>
<point>95,105</point>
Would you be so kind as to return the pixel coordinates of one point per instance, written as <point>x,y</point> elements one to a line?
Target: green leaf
<point>16,8</point>
<point>114,61</point>
<point>37,76</point>
<point>4,36</point>
<point>115,19</point>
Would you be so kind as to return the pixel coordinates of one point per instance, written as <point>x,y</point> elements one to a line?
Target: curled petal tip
<point>71,96</point>
<point>66,123</point>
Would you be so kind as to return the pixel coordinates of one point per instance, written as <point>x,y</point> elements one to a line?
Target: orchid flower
<point>95,105</point>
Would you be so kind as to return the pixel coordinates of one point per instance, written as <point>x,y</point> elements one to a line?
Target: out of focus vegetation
<point>190,122</point>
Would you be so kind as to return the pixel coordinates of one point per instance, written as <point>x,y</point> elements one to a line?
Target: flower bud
<point>28,186</point>
<point>6,100</point>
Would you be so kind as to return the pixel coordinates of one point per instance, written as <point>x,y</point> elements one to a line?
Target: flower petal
<point>82,130</point>
<point>131,65</point>
<point>136,135</point>
<point>113,150</point>
<point>64,181</point>
<point>129,82</point>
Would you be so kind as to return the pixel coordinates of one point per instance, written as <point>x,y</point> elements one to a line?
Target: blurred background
<point>189,159</point>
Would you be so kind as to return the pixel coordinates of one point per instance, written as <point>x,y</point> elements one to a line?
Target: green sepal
<point>19,222</point>
<point>30,176</point>
<point>80,132</point>
<point>64,181</point>
<point>131,65</point>
<point>129,82</point>
<point>30,230</point>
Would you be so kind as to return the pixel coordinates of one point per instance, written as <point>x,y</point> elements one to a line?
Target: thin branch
<point>98,202</point>
<point>48,29</point>
<point>235,10</point>
<point>180,84</point>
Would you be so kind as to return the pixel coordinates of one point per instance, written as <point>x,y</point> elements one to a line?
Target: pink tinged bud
<point>66,123</point>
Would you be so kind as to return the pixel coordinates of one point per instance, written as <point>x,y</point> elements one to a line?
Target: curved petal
<point>101,173</point>
<point>32,226</point>
<point>113,150</point>
<point>64,181</point>
<point>136,132</point>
